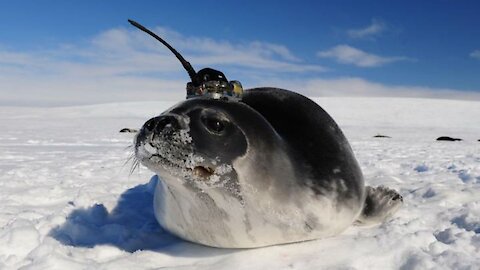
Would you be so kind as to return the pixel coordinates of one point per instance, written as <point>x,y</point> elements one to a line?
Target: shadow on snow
<point>130,226</point>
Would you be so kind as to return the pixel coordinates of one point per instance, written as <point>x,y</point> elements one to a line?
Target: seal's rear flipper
<point>380,203</point>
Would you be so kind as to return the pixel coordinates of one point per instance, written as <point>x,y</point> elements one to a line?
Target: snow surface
<point>67,200</point>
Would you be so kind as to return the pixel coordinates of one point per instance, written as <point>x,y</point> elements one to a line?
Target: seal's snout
<point>159,123</point>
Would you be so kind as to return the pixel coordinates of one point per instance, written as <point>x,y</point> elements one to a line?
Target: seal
<point>272,169</point>
<point>266,167</point>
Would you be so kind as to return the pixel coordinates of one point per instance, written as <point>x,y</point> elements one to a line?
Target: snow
<point>68,201</point>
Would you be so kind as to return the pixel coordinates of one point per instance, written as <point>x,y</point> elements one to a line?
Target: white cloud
<point>202,51</point>
<point>128,65</point>
<point>475,54</point>
<point>358,87</point>
<point>375,28</point>
<point>346,54</point>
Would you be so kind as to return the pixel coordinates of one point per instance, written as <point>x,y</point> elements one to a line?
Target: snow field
<point>67,200</point>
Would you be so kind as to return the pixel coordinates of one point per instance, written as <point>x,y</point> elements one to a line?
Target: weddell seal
<point>243,169</point>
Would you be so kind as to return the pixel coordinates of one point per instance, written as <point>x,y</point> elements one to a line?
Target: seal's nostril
<point>162,122</point>
<point>397,197</point>
<point>150,124</point>
<point>158,124</point>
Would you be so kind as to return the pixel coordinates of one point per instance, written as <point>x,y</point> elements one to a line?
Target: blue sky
<point>79,52</point>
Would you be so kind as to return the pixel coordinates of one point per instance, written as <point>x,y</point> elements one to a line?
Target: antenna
<point>185,63</point>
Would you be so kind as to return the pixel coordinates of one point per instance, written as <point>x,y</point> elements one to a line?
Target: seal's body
<point>272,168</point>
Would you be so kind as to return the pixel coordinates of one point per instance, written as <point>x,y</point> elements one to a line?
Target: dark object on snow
<point>381,136</point>
<point>450,139</point>
<point>128,130</point>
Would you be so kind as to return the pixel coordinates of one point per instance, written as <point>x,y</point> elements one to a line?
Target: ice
<point>68,201</point>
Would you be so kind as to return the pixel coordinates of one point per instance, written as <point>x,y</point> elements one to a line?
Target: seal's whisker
<point>135,163</point>
<point>131,156</point>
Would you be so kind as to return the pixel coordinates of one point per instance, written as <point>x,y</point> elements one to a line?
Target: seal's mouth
<point>202,172</point>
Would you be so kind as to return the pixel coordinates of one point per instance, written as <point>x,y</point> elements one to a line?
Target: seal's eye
<point>214,124</point>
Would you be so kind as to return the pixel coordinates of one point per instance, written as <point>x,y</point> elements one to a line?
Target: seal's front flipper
<point>380,203</point>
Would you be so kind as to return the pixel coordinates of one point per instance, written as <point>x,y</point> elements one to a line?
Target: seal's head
<point>196,142</point>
